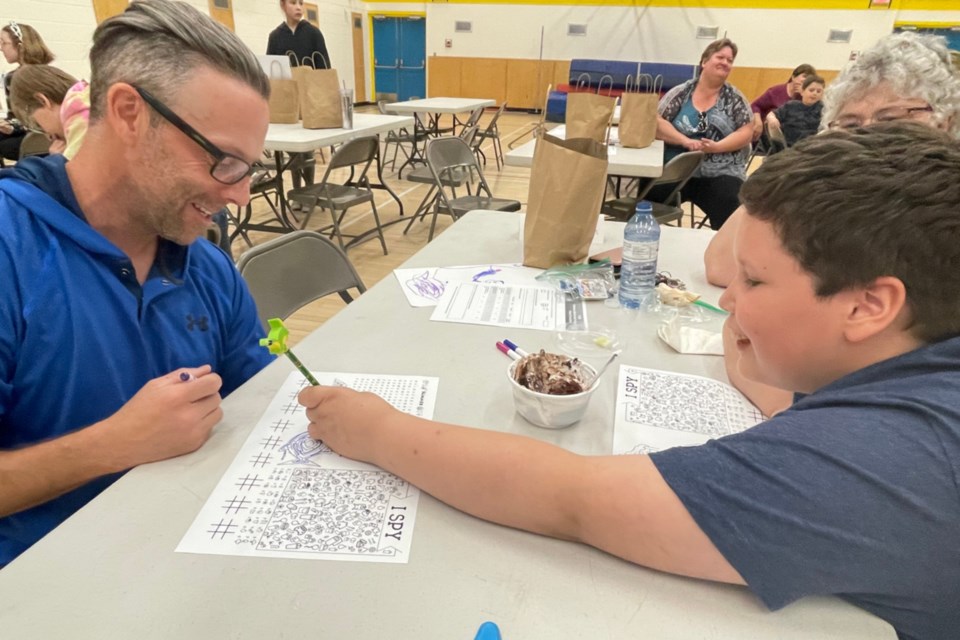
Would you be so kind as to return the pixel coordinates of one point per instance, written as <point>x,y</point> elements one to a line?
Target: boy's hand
<point>6,127</point>
<point>345,420</point>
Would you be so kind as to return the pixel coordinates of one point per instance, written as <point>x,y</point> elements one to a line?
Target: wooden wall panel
<point>484,78</point>
<point>515,80</point>
<point>561,72</point>
<point>524,77</point>
<point>443,76</point>
<point>104,9</point>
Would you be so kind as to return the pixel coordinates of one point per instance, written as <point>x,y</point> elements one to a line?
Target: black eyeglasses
<point>227,168</point>
<point>889,114</point>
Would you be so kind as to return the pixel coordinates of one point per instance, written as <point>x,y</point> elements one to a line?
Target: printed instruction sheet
<point>511,306</point>
<point>657,410</point>
<point>287,495</point>
<point>425,286</point>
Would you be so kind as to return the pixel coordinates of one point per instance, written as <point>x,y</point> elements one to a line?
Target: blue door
<point>413,68</point>
<point>399,56</point>
<point>386,55</point>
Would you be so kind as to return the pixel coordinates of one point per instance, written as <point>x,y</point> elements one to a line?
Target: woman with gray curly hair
<point>904,76</point>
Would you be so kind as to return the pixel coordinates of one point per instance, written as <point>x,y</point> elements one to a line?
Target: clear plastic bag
<point>594,281</point>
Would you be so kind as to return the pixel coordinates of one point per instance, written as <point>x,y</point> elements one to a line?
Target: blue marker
<point>186,377</point>
<point>488,631</point>
<point>514,347</point>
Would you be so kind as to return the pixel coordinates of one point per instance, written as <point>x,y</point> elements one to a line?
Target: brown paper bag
<point>567,182</point>
<point>284,98</point>
<point>638,113</point>
<point>319,91</point>
<point>589,115</point>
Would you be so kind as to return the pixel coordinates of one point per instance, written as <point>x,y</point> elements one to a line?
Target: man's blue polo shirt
<point>79,336</point>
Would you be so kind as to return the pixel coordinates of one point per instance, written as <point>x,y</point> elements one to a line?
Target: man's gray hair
<point>157,44</point>
<point>913,65</point>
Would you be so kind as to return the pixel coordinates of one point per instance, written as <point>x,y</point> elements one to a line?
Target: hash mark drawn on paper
<point>291,496</point>
<point>235,504</point>
<point>221,529</point>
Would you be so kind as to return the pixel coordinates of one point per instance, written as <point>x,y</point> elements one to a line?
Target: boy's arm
<point>619,504</point>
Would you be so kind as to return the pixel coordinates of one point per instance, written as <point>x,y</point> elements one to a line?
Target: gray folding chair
<point>675,175</point>
<point>423,175</point>
<point>451,160</point>
<point>34,144</point>
<point>295,269</point>
<point>492,132</point>
<point>357,155</point>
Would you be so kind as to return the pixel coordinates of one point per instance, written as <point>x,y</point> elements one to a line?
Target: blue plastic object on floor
<point>488,631</point>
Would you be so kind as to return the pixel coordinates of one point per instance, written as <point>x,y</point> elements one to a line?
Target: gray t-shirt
<point>854,491</point>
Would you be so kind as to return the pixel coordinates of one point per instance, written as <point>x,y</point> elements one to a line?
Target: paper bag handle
<point>313,61</point>
<point>294,61</point>
<point>580,80</point>
<point>279,74</point>
<point>606,77</point>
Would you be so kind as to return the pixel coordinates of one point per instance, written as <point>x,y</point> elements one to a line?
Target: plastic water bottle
<point>638,270</point>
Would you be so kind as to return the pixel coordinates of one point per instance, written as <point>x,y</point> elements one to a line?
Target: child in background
<point>798,119</point>
<point>53,101</point>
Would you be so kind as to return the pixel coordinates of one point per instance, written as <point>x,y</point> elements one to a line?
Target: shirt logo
<point>200,323</point>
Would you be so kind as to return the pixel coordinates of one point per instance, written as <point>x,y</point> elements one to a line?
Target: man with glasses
<point>118,332</point>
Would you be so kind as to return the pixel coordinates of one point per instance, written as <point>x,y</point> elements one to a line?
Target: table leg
<point>415,155</point>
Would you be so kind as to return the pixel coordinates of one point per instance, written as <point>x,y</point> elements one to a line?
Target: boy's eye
<point>750,282</point>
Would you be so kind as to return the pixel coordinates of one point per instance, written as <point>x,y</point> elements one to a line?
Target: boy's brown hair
<point>813,79</point>
<point>852,206</point>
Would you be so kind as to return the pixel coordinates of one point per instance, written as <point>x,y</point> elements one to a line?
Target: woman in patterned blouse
<point>708,114</point>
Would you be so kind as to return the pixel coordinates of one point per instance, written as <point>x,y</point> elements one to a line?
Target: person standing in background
<point>298,37</point>
<point>20,44</point>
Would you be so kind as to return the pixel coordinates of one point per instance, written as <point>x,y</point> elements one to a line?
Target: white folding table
<point>293,138</point>
<point>110,571</point>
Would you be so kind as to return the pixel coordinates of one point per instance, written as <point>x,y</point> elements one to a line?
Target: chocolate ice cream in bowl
<point>551,390</point>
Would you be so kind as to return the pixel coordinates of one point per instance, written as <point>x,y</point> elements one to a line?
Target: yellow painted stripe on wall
<point>897,5</point>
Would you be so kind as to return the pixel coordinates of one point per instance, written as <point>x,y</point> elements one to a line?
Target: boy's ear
<point>43,100</point>
<point>874,308</point>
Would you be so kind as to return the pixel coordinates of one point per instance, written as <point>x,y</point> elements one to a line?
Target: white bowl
<point>550,411</point>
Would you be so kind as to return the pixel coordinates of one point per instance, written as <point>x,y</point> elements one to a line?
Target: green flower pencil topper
<point>276,343</point>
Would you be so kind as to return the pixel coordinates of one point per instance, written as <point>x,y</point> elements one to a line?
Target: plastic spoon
<point>596,378</point>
